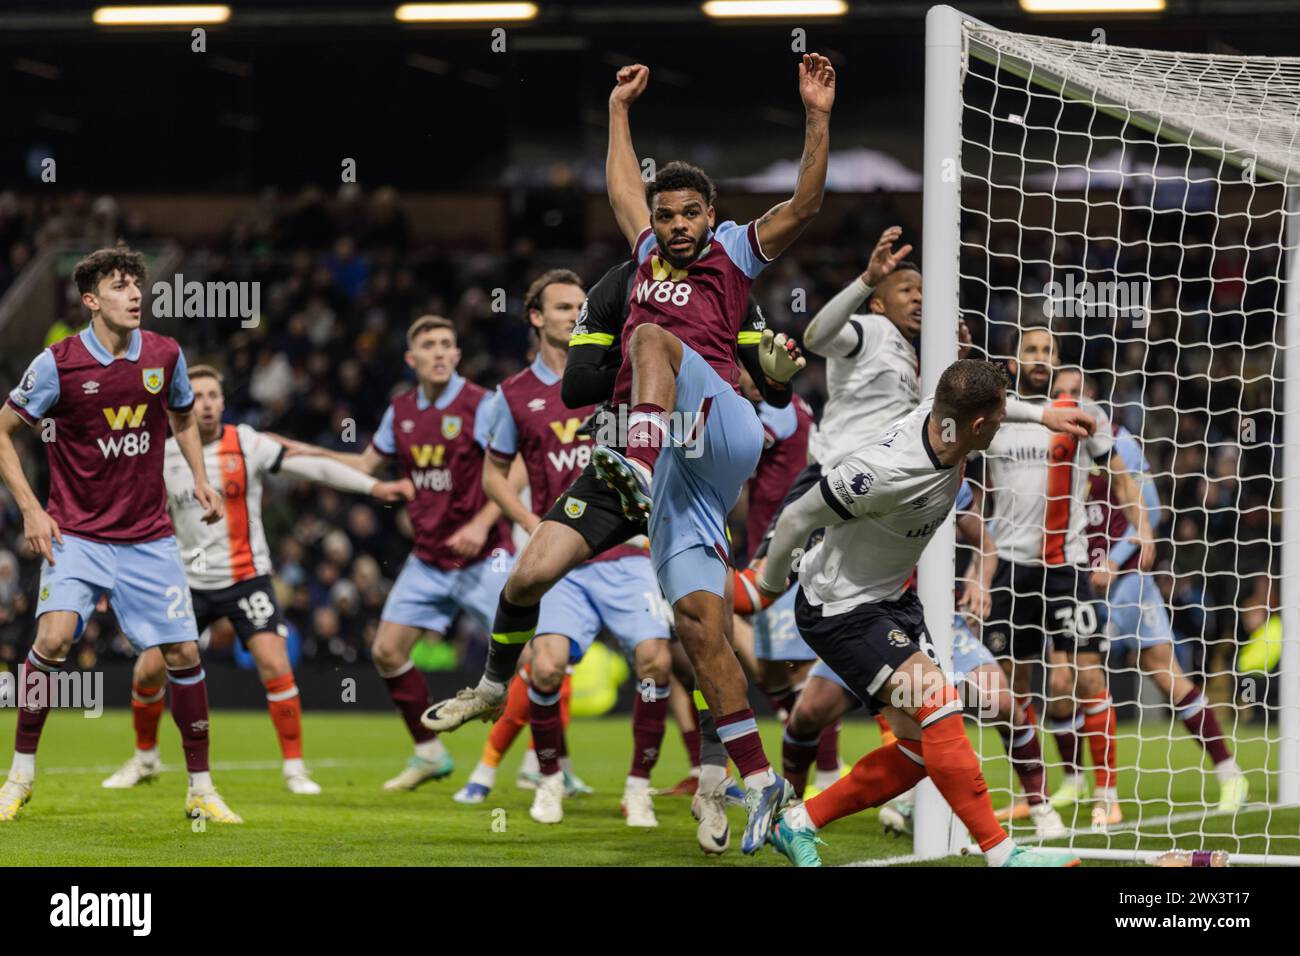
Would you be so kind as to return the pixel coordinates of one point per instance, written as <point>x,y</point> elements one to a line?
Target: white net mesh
<point>1137,201</point>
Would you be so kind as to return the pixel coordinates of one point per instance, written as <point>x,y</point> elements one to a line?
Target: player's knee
<point>149,668</point>
<point>649,338</point>
<point>386,654</point>
<point>547,673</point>
<point>55,631</point>
<point>653,661</point>
<point>185,654</point>
<point>527,584</point>
<point>1060,682</point>
<point>805,720</point>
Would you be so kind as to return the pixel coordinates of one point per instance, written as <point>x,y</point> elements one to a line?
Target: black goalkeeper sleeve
<point>587,378</point>
<point>773,394</point>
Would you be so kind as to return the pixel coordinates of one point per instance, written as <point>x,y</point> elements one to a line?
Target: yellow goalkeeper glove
<point>779,357</point>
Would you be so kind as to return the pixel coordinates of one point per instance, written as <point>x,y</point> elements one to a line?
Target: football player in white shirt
<point>872,367</point>
<point>228,567</point>
<point>872,371</point>
<point>880,507</point>
<point>1044,605</point>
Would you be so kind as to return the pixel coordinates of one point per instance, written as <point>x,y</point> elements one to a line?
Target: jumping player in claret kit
<point>686,311</point>
<point>880,507</point>
<point>462,553</point>
<point>103,400</point>
<point>228,566</point>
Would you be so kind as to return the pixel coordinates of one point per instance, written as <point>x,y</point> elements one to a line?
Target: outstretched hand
<point>883,259</point>
<point>1070,420</point>
<point>816,82</point>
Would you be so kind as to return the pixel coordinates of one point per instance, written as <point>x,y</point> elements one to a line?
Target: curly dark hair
<point>102,263</point>
<point>678,175</point>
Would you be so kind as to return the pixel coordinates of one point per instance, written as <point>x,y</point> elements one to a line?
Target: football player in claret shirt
<point>462,550</point>
<point>228,566</point>
<point>687,306</point>
<point>105,398</point>
<point>688,301</point>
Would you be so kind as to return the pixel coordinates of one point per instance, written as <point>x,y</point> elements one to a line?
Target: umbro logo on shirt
<point>407,425</point>
<point>90,388</point>
<point>537,404</point>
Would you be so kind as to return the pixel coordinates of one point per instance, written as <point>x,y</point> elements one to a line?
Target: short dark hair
<point>102,263</point>
<point>533,297</point>
<point>427,323</point>
<point>678,175</point>
<point>907,265</point>
<point>969,388</point>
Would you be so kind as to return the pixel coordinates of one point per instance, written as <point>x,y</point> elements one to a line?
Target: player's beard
<point>1026,385</point>
<point>678,261</point>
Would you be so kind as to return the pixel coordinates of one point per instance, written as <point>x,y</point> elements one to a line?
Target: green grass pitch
<point>72,821</point>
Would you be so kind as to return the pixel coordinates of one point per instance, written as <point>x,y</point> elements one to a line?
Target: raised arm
<point>781,224</point>
<point>829,333</point>
<point>324,470</point>
<point>798,520</point>
<point>623,180</point>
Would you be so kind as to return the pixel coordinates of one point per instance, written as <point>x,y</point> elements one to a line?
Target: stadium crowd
<point>341,278</point>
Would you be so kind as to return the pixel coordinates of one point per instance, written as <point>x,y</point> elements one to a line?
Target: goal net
<point>1142,204</point>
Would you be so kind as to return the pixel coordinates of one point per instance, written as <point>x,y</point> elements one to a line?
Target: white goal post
<point>1212,139</point>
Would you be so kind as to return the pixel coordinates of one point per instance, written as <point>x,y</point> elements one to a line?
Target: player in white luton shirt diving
<point>228,567</point>
<point>880,507</point>
<point>872,379</point>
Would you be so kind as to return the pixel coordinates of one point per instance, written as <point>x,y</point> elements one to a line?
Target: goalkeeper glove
<point>779,357</point>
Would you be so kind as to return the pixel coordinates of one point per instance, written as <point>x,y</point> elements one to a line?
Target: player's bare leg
<point>926,715</point>
<point>148,700</point>
<point>702,620</point>
<point>1097,721</point>
<point>1158,662</point>
<point>653,666</point>
<point>682,707</point>
<point>656,359</point>
<point>54,634</point>
<point>1063,720</point>
<point>284,704</point>
<point>821,704</point>
<point>391,652</point>
<point>552,552</point>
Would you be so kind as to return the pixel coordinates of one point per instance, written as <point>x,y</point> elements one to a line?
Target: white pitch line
<point>223,766</point>
<point>1126,827</point>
